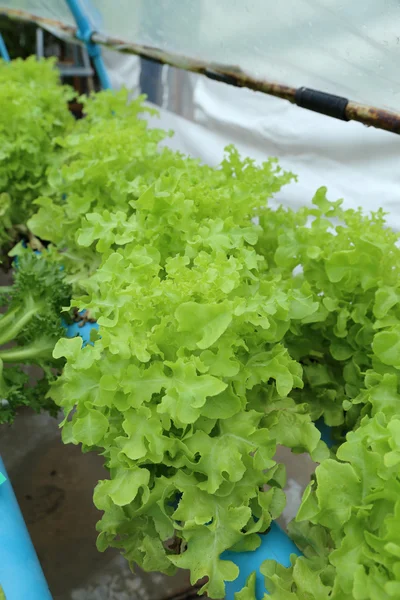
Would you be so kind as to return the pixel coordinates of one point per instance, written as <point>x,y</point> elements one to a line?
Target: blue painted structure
<point>84,332</point>
<point>81,10</point>
<point>3,50</point>
<point>275,545</point>
<point>325,431</point>
<point>21,575</point>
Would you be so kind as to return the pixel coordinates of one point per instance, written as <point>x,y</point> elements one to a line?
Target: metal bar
<point>24,15</point>
<point>373,117</point>
<point>85,56</point>
<point>39,43</point>
<point>232,75</point>
<point>3,50</point>
<point>75,54</point>
<point>150,80</point>
<point>21,575</point>
<point>75,71</point>
<point>85,33</point>
<point>87,65</point>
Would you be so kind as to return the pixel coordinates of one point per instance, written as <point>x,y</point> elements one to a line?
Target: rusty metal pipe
<point>231,75</point>
<point>373,117</point>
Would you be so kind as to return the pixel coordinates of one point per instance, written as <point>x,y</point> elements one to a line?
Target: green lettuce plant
<point>186,392</point>
<point>34,112</point>
<point>221,338</point>
<point>227,327</point>
<point>351,262</point>
<point>110,159</point>
<point>346,525</point>
<point>30,326</point>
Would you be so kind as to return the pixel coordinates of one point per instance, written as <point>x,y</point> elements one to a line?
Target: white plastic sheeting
<point>351,48</point>
<point>357,164</point>
<point>123,70</point>
<point>47,9</point>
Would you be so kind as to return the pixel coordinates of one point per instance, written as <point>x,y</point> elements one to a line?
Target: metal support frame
<point>39,43</point>
<point>3,50</point>
<point>74,71</point>
<point>150,80</point>
<point>85,33</point>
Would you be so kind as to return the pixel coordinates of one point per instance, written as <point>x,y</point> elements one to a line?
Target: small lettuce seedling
<point>29,328</point>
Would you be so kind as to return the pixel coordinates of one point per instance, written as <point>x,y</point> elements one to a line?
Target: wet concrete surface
<point>54,485</point>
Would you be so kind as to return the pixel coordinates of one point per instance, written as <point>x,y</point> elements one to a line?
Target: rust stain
<point>23,15</point>
<point>239,78</point>
<point>231,75</point>
<point>374,117</point>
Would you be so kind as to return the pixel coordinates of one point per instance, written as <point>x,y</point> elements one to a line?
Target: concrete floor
<point>54,485</point>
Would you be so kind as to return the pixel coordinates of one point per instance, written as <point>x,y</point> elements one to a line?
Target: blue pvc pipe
<point>74,330</point>
<point>21,575</point>
<point>325,431</point>
<point>3,50</point>
<point>275,545</point>
<point>101,70</point>
<point>84,33</point>
<point>81,19</point>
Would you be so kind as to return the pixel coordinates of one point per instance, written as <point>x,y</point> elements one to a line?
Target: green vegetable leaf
<point>248,592</point>
<point>207,322</point>
<point>90,428</point>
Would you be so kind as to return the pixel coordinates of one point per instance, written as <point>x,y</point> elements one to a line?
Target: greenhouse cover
<point>346,48</point>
